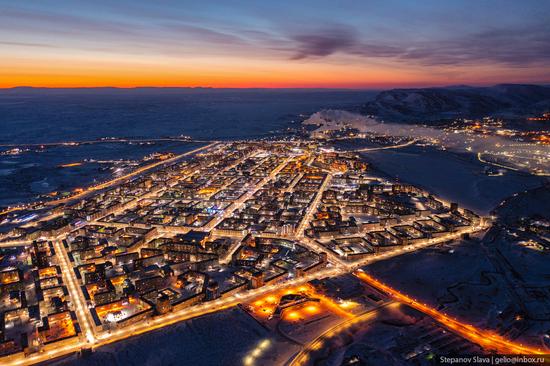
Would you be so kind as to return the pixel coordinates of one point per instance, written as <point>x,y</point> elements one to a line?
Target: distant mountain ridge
<point>429,104</point>
<point>152,89</point>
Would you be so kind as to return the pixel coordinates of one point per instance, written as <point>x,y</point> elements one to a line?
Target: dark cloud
<point>323,42</point>
<point>514,47</point>
<point>511,47</point>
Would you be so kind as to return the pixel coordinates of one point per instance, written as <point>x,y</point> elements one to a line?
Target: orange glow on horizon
<point>78,70</point>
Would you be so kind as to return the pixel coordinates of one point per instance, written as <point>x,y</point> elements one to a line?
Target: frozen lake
<point>455,177</point>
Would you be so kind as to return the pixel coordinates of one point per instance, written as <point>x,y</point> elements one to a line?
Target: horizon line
<point>420,86</point>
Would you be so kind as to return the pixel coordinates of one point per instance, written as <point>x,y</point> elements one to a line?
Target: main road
<point>405,144</point>
<point>303,356</point>
<point>111,182</point>
<point>487,339</point>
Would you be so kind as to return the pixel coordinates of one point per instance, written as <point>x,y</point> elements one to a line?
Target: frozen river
<point>455,177</point>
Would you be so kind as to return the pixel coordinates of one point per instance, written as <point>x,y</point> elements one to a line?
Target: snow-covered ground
<point>524,157</point>
<point>495,285</point>
<point>334,119</point>
<point>457,277</point>
<point>222,338</point>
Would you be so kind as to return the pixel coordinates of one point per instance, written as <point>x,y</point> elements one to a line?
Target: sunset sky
<point>343,44</point>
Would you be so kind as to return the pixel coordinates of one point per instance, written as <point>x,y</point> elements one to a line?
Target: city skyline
<point>246,44</point>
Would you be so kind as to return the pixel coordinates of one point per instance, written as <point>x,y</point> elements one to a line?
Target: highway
<point>480,158</point>
<point>303,356</point>
<point>130,175</point>
<point>102,141</point>
<point>528,171</point>
<point>484,338</point>
<point>111,182</point>
<point>365,149</point>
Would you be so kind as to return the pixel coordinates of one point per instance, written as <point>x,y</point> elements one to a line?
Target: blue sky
<point>368,42</point>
